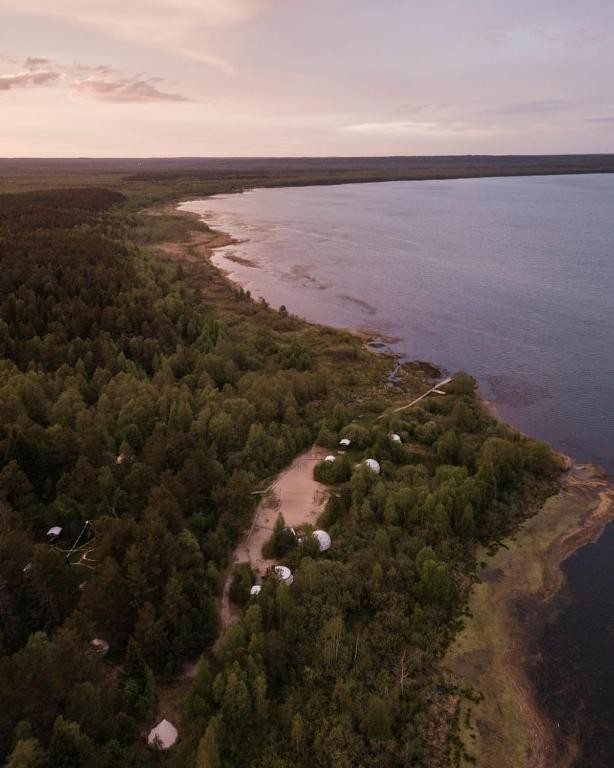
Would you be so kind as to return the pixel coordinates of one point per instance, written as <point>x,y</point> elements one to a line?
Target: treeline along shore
<point>177,178</point>
<point>144,400</point>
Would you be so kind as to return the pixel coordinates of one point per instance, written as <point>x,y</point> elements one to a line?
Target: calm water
<point>510,279</point>
<point>576,678</point>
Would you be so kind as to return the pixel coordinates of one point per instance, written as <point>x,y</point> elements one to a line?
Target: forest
<point>143,399</point>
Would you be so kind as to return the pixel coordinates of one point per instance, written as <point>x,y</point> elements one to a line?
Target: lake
<point>510,279</point>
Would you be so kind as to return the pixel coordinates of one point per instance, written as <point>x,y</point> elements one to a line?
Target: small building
<point>99,646</point>
<point>323,540</point>
<point>255,590</point>
<point>395,438</point>
<point>373,465</point>
<point>345,442</point>
<point>330,458</point>
<point>54,533</point>
<point>163,736</point>
<point>283,574</point>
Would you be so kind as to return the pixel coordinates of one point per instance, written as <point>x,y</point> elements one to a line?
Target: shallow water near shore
<point>510,279</point>
<point>576,684</point>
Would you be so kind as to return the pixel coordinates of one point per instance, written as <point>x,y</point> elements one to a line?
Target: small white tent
<point>329,458</point>
<point>395,438</point>
<point>345,443</point>
<point>372,465</point>
<point>323,540</point>
<point>54,533</point>
<point>284,574</point>
<point>163,736</point>
<point>100,646</point>
<point>255,590</point>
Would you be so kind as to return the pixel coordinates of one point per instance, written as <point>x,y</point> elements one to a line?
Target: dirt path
<point>296,496</point>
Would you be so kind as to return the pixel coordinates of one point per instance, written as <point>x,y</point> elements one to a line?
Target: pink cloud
<point>36,62</point>
<point>124,89</point>
<point>101,69</point>
<point>27,79</point>
<point>96,81</point>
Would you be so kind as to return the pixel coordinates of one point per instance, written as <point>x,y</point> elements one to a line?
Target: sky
<point>141,78</point>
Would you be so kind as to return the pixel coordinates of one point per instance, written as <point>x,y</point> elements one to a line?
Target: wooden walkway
<point>426,394</point>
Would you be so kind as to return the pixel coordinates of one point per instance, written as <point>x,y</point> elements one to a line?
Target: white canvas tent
<point>99,646</point>
<point>163,736</point>
<point>323,540</point>
<point>373,465</point>
<point>284,574</point>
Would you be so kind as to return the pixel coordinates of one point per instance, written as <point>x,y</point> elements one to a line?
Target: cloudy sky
<point>305,77</point>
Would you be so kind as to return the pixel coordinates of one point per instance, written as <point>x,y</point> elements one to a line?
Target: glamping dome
<point>329,458</point>
<point>345,443</point>
<point>163,736</point>
<point>323,540</point>
<point>54,532</point>
<point>100,646</point>
<point>372,465</point>
<point>395,438</point>
<point>255,590</point>
<point>284,574</point>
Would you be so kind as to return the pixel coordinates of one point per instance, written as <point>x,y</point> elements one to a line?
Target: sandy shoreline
<point>528,568</point>
<point>203,245</point>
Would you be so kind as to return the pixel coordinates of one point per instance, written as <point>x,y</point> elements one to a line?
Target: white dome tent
<point>345,442</point>
<point>323,540</point>
<point>284,574</point>
<point>329,458</point>
<point>395,438</point>
<point>255,590</point>
<point>372,465</point>
<point>99,646</point>
<point>163,736</point>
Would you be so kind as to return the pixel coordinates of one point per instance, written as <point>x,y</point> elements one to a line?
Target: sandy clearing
<point>295,495</point>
